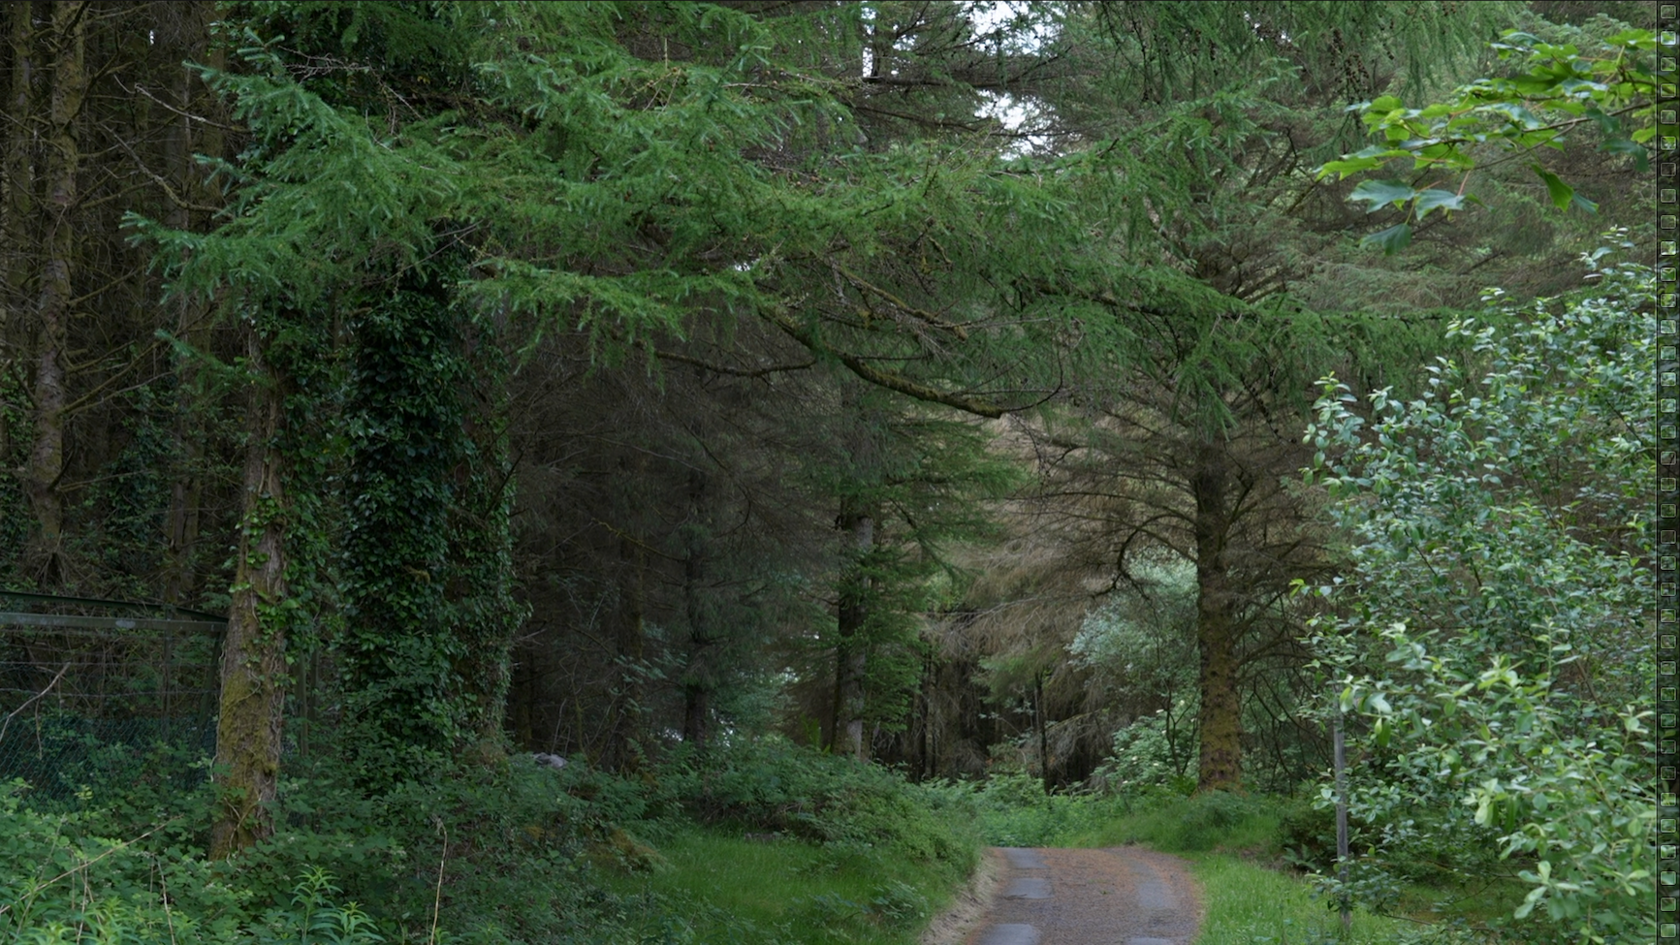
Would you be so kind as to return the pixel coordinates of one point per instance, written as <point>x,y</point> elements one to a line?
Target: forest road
<point>1114,896</point>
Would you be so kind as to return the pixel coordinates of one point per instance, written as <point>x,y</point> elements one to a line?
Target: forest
<point>473,470</point>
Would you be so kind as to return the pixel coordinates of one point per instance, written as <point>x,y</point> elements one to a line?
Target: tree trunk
<point>698,681</point>
<point>1220,722</point>
<point>20,179</point>
<point>852,657</point>
<point>46,453</point>
<point>254,651</point>
<point>181,525</point>
<point>619,753</point>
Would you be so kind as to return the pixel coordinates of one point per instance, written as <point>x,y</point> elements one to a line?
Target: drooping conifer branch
<point>887,379</point>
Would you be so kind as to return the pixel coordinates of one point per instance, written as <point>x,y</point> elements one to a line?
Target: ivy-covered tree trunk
<point>253,668</point>
<point>479,592</point>
<point>851,661</point>
<point>62,158</point>
<point>429,606</point>
<point>398,650</point>
<point>1220,720</point>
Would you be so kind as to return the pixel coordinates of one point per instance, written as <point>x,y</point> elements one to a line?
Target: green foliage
<point>1148,752</point>
<point>515,853</point>
<point>1494,626</point>
<point>1206,821</point>
<point>62,880</point>
<point>64,756</point>
<point>1012,809</point>
<point>1615,90</point>
<point>1142,644</point>
<point>928,482</point>
<point>769,785</point>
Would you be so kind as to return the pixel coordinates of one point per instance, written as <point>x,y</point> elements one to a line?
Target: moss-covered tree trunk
<point>254,650</point>
<point>45,466</point>
<point>1220,721</point>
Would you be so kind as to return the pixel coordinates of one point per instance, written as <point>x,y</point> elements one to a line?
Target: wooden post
<point>1342,819</point>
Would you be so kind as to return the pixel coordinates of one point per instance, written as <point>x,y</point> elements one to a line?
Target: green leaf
<point>1392,240</point>
<point>1381,193</point>
<point>1641,156</point>
<point>1433,199</point>
<point>1348,167</point>
<point>1562,194</point>
<point>1517,114</point>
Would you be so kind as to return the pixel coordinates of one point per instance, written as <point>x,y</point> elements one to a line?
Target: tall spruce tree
<point>1226,109</point>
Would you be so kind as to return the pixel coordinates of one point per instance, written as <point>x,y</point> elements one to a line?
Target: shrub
<point>61,882</point>
<point>1493,638</point>
<point>773,786</point>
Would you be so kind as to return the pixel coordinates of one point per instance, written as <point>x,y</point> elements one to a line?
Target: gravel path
<point>1117,896</point>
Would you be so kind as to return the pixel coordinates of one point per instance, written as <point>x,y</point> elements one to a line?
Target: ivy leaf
<point>1381,193</point>
<point>1434,199</point>
<point>1392,240</point>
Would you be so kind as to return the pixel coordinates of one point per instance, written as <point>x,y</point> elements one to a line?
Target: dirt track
<point>1115,896</point>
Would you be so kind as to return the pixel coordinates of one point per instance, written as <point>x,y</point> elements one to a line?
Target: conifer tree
<point>1226,129</point>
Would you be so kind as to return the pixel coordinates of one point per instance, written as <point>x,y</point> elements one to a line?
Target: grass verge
<point>1248,904</point>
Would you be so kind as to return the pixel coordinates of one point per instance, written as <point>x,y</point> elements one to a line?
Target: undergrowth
<point>508,852</point>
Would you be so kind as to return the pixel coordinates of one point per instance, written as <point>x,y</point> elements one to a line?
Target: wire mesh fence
<point>101,692</point>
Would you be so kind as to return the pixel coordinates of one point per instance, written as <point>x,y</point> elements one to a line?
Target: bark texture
<point>1216,625</point>
<point>253,694</point>
<point>62,160</point>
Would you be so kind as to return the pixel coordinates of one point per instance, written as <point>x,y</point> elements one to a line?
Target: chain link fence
<point>105,692</point>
